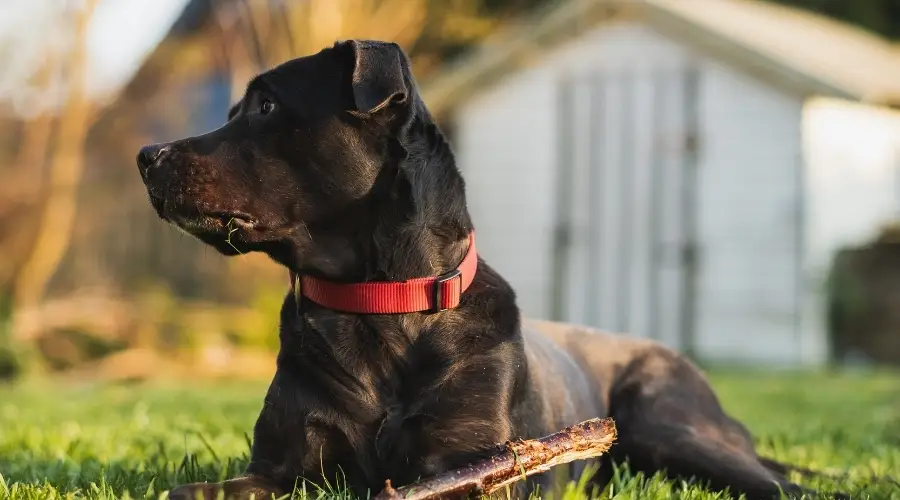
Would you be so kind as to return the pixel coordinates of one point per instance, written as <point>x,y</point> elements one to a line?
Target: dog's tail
<point>784,469</point>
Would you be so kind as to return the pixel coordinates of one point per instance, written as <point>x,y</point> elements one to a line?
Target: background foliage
<point>90,279</point>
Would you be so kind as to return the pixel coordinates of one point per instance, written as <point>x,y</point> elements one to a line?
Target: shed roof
<point>796,49</point>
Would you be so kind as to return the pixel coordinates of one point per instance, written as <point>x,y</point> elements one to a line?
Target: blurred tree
<point>39,200</point>
<point>257,34</point>
<point>66,163</point>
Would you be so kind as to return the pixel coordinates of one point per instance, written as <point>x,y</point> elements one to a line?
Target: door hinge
<point>691,143</point>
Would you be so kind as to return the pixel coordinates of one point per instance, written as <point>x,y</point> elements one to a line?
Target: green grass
<point>138,441</point>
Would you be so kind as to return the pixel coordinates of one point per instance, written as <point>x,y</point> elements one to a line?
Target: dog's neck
<point>406,254</point>
<point>414,224</point>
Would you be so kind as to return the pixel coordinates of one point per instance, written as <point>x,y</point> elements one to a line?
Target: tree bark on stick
<point>513,463</point>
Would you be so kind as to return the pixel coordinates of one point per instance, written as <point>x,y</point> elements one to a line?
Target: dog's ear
<point>378,75</point>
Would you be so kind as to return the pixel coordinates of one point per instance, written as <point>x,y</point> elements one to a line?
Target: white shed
<point>678,169</point>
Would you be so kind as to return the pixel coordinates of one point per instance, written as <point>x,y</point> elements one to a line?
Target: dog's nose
<point>149,155</point>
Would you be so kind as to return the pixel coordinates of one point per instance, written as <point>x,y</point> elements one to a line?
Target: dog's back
<point>573,369</point>
<point>666,413</point>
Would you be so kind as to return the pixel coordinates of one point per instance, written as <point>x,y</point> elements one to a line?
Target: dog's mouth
<point>224,223</point>
<point>228,232</point>
<point>202,222</point>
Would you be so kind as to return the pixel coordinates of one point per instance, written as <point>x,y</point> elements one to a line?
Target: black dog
<point>392,363</point>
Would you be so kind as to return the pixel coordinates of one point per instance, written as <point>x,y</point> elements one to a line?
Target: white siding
<point>505,150</point>
<point>749,197</point>
<point>627,231</point>
<point>749,215</point>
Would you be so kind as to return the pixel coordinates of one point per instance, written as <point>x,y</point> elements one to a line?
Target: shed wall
<point>747,194</point>
<point>749,218</point>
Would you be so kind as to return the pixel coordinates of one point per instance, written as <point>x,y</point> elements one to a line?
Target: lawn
<point>139,440</point>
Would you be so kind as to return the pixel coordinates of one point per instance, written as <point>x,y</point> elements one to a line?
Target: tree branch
<point>66,167</point>
<point>513,463</point>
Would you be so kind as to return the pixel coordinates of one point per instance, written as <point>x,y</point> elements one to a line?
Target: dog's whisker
<point>307,231</point>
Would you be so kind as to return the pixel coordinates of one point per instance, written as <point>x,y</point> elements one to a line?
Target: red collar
<point>431,294</point>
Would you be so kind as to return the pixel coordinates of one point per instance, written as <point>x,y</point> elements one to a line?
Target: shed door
<point>624,249</point>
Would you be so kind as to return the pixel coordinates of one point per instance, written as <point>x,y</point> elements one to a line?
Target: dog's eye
<point>266,107</point>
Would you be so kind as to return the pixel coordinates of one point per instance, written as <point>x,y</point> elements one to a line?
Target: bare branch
<point>240,62</point>
<point>400,21</point>
<point>518,460</point>
<point>256,36</point>
<point>66,166</point>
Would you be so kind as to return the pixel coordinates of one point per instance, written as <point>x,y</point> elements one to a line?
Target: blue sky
<point>123,32</point>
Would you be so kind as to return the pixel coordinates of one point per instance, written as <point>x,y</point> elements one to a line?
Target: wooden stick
<point>512,463</point>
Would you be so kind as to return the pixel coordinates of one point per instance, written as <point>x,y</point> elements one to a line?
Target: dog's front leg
<point>278,458</point>
<point>241,488</point>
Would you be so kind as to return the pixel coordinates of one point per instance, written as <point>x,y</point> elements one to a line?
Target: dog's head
<point>318,149</point>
